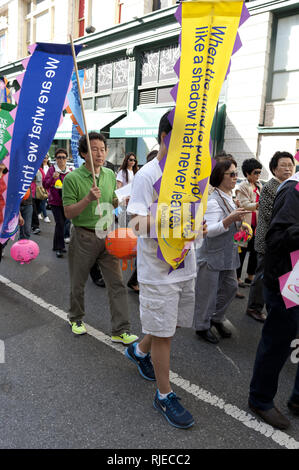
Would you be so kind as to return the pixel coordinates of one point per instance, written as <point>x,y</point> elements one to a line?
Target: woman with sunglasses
<point>127,170</point>
<point>218,258</point>
<point>53,183</point>
<point>248,193</point>
<point>125,176</point>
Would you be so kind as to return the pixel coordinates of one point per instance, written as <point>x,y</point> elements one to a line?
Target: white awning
<point>95,120</point>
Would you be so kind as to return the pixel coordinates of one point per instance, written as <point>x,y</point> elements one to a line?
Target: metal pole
<point>83,113</point>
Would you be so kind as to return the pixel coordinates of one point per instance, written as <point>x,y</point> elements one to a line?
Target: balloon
<point>24,251</point>
<point>122,243</point>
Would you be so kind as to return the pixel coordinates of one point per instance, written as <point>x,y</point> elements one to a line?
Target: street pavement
<point>58,391</point>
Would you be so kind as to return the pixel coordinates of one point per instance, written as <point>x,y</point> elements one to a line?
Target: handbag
<point>41,193</point>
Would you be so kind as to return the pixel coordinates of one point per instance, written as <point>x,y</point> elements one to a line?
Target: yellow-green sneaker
<point>78,327</point>
<point>125,338</point>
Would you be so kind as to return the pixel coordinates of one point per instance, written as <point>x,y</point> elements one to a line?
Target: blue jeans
<point>42,207</point>
<point>279,330</point>
<point>25,230</point>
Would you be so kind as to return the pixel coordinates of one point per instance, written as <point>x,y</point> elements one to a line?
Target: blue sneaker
<point>173,411</point>
<point>144,364</point>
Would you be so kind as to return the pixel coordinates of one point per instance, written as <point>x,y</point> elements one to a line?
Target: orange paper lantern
<point>122,243</point>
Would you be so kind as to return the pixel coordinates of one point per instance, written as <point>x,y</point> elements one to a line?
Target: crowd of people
<point>199,294</point>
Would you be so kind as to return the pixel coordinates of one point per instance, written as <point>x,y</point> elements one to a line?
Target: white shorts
<point>164,307</point>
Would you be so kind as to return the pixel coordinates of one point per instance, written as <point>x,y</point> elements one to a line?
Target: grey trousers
<point>85,247</point>
<point>214,292</point>
<point>256,296</point>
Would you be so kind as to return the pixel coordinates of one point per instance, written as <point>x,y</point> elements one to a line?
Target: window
<point>2,49</point>
<point>157,75</point>
<point>89,80</point>
<point>158,65</point>
<point>112,82</point>
<point>81,18</point>
<point>111,75</point>
<point>159,4</point>
<point>286,59</point>
<point>120,4</point>
<point>87,103</point>
<point>43,27</point>
<point>156,5</point>
<point>39,22</point>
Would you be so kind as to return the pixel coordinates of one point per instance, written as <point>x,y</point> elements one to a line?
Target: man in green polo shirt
<point>80,198</point>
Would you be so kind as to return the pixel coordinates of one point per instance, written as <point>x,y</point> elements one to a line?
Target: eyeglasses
<point>59,157</point>
<point>257,172</point>
<point>132,160</point>
<point>232,174</point>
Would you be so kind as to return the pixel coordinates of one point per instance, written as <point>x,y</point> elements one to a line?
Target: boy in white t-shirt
<point>166,300</point>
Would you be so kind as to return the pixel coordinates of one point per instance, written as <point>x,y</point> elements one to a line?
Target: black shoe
<point>272,417</point>
<point>208,336</point>
<point>59,254</point>
<point>294,407</point>
<point>36,231</point>
<point>222,330</point>
<point>99,282</point>
<point>64,250</point>
<point>248,281</point>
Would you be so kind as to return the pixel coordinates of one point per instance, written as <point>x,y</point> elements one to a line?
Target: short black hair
<point>220,168</point>
<point>222,156</point>
<point>249,165</point>
<point>276,157</point>
<point>151,155</point>
<point>164,126</point>
<point>61,150</point>
<point>82,144</point>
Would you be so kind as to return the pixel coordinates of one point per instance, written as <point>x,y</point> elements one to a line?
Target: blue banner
<point>74,106</point>
<point>40,104</point>
<point>74,147</point>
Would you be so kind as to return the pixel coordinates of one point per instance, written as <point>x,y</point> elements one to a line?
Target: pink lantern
<point>24,251</point>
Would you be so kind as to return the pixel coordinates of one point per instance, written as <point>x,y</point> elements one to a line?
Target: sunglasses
<point>232,174</point>
<point>132,160</point>
<point>257,172</point>
<point>60,158</point>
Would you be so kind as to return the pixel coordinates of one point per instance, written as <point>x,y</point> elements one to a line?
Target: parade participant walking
<point>53,183</point>
<point>166,300</point>
<point>218,257</point>
<point>282,166</point>
<point>42,212</point>
<point>248,193</point>
<point>80,204</point>
<point>125,176</point>
<point>127,170</point>
<point>281,325</point>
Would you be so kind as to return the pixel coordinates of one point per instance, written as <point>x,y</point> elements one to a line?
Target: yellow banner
<point>209,31</point>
